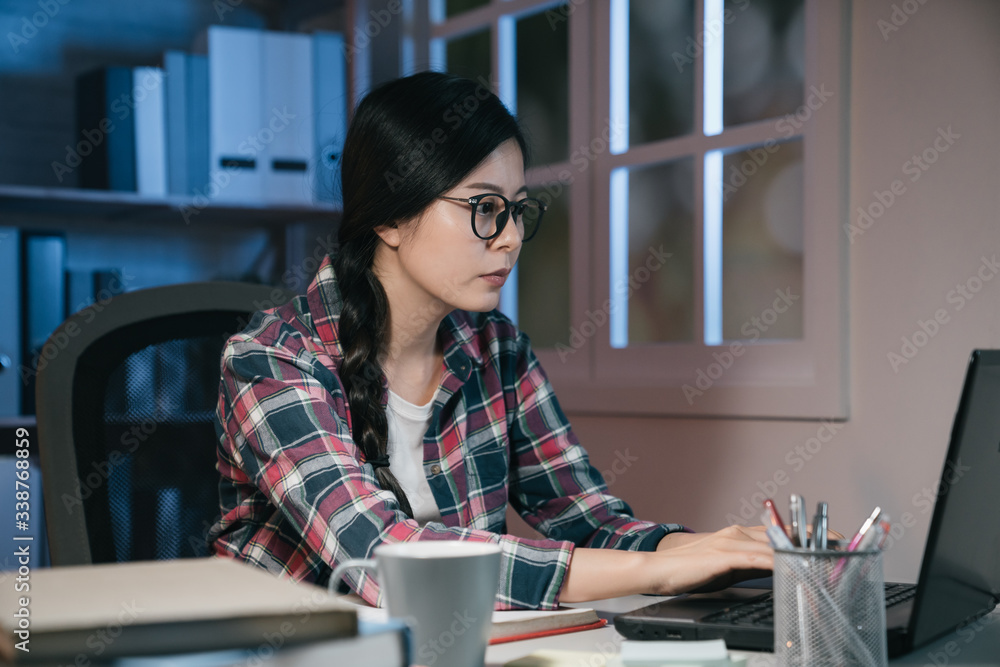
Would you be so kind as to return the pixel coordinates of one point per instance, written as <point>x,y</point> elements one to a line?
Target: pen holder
<point>829,608</point>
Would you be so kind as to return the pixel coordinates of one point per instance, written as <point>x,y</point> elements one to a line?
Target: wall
<point>939,70</point>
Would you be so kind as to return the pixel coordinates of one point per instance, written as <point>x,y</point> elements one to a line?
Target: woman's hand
<point>683,563</point>
<point>702,562</point>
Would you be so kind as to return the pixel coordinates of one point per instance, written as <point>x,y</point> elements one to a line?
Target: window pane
<point>453,7</point>
<point>543,293</point>
<point>543,84</point>
<point>661,74</point>
<point>762,242</point>
<point>764,59</point>
<point>660,222</point>
<point>469,56</point>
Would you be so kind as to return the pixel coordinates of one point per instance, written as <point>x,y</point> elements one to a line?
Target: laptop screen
<point>960,574</point>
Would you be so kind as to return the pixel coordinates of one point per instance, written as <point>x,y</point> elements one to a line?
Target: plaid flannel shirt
<point>298,497</point>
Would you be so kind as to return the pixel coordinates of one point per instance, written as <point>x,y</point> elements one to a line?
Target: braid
<point>363,320</point>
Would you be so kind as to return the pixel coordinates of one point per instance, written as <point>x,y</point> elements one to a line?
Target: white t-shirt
<point>407,425</point>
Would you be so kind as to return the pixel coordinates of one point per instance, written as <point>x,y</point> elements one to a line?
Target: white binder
<point>287,108</point>
<point>235,94</point>
<point>330,101</point>
<point>150,131</point>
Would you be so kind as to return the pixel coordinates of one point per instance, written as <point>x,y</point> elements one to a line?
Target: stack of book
<point>194,611</point>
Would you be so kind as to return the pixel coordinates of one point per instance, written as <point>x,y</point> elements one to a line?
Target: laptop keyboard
<point>760,610</point>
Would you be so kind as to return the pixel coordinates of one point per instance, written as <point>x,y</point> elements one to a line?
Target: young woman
<point>394,402</point>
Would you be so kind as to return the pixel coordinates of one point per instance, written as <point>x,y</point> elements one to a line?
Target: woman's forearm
<point>681,563</point>
<point>595,574</point>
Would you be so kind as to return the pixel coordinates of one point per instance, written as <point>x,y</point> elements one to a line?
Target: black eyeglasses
<point>490,213</point>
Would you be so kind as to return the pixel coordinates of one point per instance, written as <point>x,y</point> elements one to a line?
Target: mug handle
<point>350,564</point>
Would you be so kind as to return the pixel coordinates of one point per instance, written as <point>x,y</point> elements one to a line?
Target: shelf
<point>115,206</point>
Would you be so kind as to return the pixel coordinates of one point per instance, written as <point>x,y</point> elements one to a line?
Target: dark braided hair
<point>410,140</point>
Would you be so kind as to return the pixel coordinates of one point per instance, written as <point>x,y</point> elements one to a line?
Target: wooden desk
<point>977,646</point>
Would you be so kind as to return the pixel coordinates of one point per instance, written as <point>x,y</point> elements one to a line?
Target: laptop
<point>959,574</point>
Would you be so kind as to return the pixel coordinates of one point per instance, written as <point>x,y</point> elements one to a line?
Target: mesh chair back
<point>139,481</point>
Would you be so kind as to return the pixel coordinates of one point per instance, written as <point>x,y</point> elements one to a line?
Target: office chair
<point>126,394</point>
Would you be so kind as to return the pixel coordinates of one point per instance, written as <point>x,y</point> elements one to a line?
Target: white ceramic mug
<point>444,590</point>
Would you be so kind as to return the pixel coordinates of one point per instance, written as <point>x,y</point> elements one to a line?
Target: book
<point>330,101</point>
<point>509,626</point>
<point>150,131</point>
<point>186,104</point>
<point>105,148</point>
<point>375,646</point>
<point>162,607</point>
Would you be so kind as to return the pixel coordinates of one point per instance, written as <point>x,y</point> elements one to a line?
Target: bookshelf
<point>80,206</point>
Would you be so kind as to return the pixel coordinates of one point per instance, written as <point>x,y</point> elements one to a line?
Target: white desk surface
<point>973,648</point>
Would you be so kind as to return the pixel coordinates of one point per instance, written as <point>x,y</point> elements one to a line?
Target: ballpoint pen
<point>865,527</point>
<point>793,509</point>
<point>856,541</point>
<point>820,526</point>
<point>779,539</point>
<point>772,515</point>
<point>803,524</point>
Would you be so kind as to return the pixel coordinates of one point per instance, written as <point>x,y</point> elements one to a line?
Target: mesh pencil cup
<point>829,608</point>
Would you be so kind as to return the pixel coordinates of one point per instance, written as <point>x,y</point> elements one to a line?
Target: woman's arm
<point>682,562</point>
<point>554,487</point>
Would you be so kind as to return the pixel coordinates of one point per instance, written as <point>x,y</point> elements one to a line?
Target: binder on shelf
<point>105,124</point>
<point>10,335</point>
<point>43,303</point>
<point>287,131</point>
<point>150,131</point>
<point>235,93</point>
<point>186,105</point>
<point>330,101</point>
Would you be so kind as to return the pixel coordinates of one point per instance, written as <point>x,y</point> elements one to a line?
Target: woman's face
<point>440,254</point>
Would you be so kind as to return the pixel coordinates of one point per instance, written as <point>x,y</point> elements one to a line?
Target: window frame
<point>800,379</point>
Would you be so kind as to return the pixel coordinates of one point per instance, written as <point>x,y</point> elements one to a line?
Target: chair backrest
<point>126,394</point>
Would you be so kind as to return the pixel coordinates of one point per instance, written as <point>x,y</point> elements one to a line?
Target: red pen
<point>775,515</point>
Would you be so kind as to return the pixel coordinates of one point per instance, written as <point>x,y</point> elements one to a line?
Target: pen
<point>803,524</point>
<point>865,527</point>
<point>886,526</point>
<point>820,526</point>
<point>856,542</point>
<point>779,539</point>
<point>793,509</point>
<point>775,516</point>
